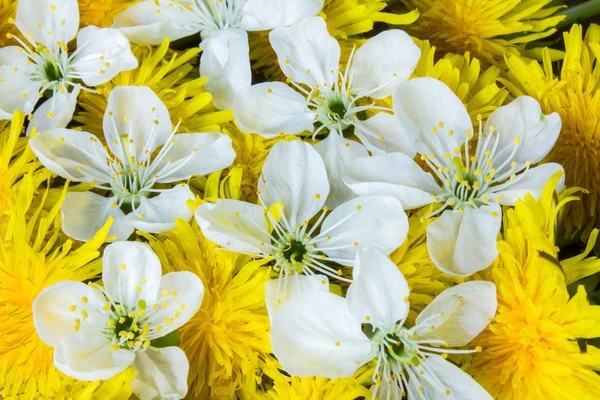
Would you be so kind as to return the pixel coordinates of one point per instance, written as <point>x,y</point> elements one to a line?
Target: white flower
<point>317,333</point>
<point>333,100</point>
<point>136,123</point>
<point>470,187</point>
<point>43,65</point>
<point>222,25</point>
<point>292,190</point>
<point>97,331</point>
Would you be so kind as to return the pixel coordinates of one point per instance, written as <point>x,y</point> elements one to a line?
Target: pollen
<point>122,266</point>
<point>317,196</point>
<point>337,344</point>
<point>72,308</point>
<point>358,208</point>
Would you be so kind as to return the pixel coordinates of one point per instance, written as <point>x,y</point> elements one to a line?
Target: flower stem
<point>579,12</point>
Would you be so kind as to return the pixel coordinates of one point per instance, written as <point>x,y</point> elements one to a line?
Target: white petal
<point>74,155</point>
<point>278,291</point>
<point>532,183</point>
<point>17,89</point>
<point>158,214</point>
<point>56,112</point>
<point>88,357</point>
<point>161,373</point>
<point>195,154</point>
<point>185,294</point>
<point>307,53</point>
<point>376,221</point>
<point>272,108</point>
<point>270,14</point>
<point>84,213</point>
<point>295,176</point>
<point>225,61</point>
<point>462,243</point>
<point>394,174</point>
<point>54,315</point>
<point>420,105</point>
<point>382,133</point>
<point>441,376</point>
<point>140,23</point>
<point>234,225</point>
<point>378,295</point>
<point>135,111</point>
<point>101,54</point>
<point>314,334</point>
<point>131,272</point>
<point>383,62</point>
<point>338,153</point>
<point>60,18</point>
<point>463,311</point>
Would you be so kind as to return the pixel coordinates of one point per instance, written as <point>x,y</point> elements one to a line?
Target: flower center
<point>128,328</point>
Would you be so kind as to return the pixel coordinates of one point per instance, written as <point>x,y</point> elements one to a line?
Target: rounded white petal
<point>131,272</point>
<point>442,376</point>
<point>376,221</point>
<point>88,357</point>
<point>161,373</point>
<point>463,311</point>
<point>185,294</point>
<point>74,155</point>
<point>272,108</point>
<point>225,61</point>
<point>378,295</point>
<point>84,213</point>
<point>101,54</point>
<point>278,291</point>
<point>314,334</point>
<point>382,133</point>
<point>307,53</point>
<point>195,154</point>
<point>383,62</point>
<point>294,175</point>
<point>57,307</point>
<point>532,182</point>
<point>235,225</point>
<point>420,105</point>
<point>56,112</point>
<point>48,21</point>
<point>338,153</point>
<point>270,14</point>
<point>18,91</point>
<point>137,112</point>
<point>158,214</point>
<point>394,174</point>
<point>462,243</point>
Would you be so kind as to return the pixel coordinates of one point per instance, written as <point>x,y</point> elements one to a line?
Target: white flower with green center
<point>223,26</point>
<point>306,248</point>
<point>317,333</point>
<point>132,183</point>
<point>98,331</point>
<point>43,65</point>
<point>470,187</point>
<point>321,98</point>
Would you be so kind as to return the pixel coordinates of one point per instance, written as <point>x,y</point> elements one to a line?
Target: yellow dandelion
<point>101,12</point>
<point>317,389</point>
<point>227,341</point>
<point>487,29</point>
<point>535,347</point>
<point>117,388</point>
<point>173,77</point>
<point>346,20</point>
<point>8,10</point>
<point>575,96</point>
<point>34,255</point>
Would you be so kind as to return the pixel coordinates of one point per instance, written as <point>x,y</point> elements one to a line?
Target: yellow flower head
<point>172,76</point>
<point>486,28</point>
<point>8,10</point>
<point>575,96</point>
<point>227,341</point>
<point>101,12</point>
<point>317,389</point>
<point>533,348</point>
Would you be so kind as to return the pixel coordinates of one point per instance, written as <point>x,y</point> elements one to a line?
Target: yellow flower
<point>101,12</point>
<point>117,388</point>
<point>8,10</point>
<point>575,96</point>
<point>346,20</point>
<point>533,348</point>
<point>227,341</point>
<point>317,389</point>
<point>172,76</point>
<point>486,28</point>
